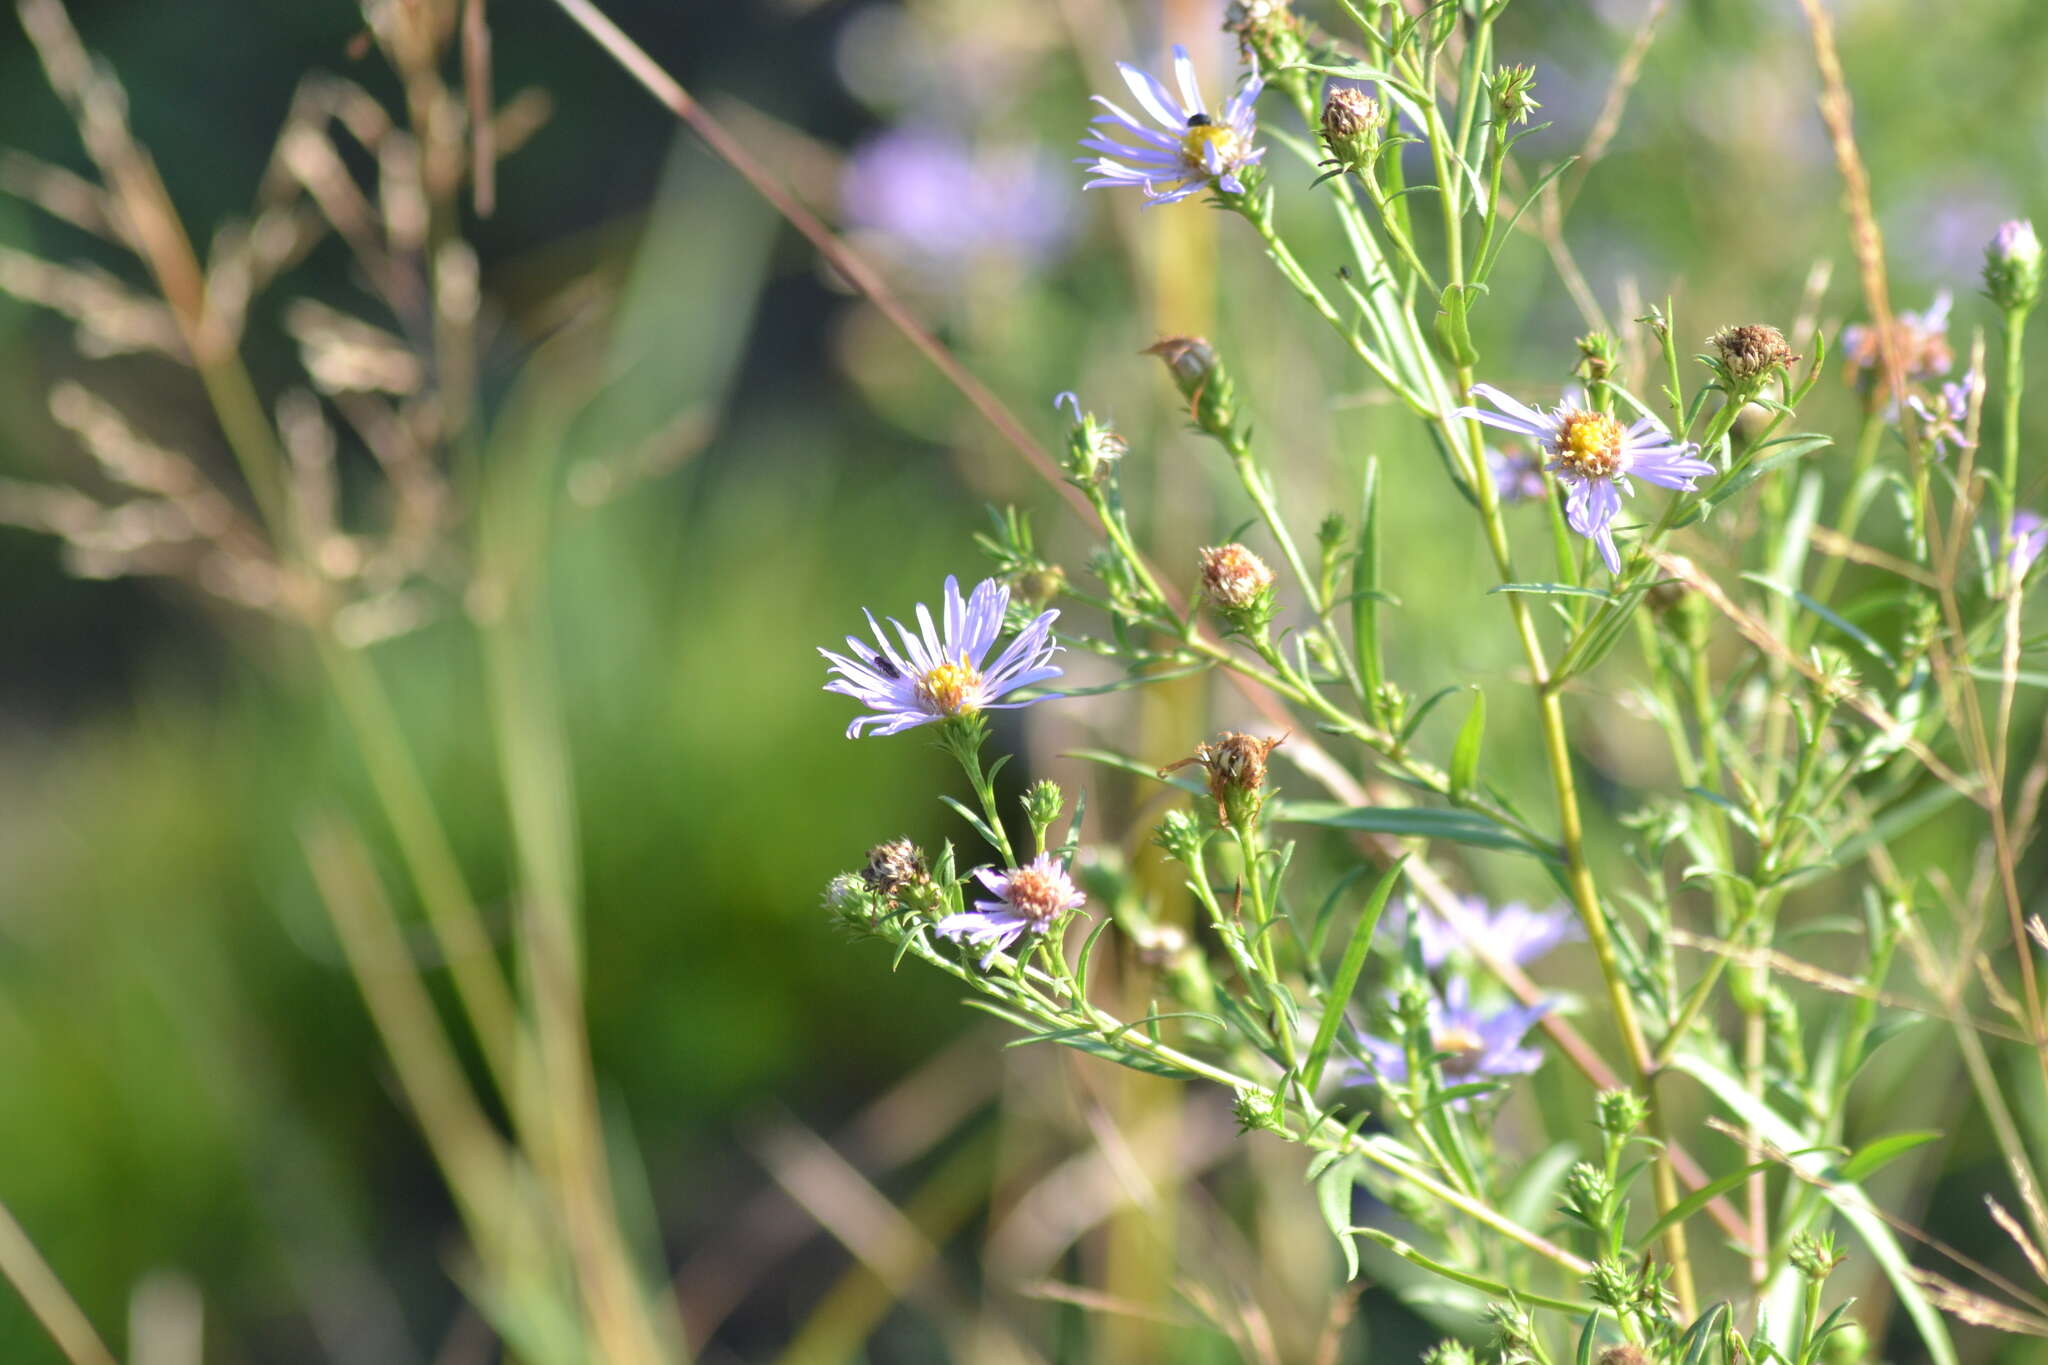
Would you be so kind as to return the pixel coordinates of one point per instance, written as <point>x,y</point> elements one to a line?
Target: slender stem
<point>2009,437</point>
<point>39,1287</point>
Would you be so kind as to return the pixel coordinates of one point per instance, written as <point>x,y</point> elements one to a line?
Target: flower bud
<point>1448,1352</point>
<point>1239,583</point>
<point>1038,584</point>
<point>1043,804</point>
<point>1620,1112</point>
<point>1814,1255</point>
<point>1257,1109</point>
<point>1202,380</point>
<point>2012,266</point>
<point>1748,354</point>
<point>1513,89</point>
<point>1352,121</point>
<point>853,904</point>
<point>1181,835</point>
<point>1599,353</point>
<point>1092,448</point>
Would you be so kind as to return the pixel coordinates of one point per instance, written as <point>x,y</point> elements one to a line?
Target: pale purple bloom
<point>937,674</point>
<point>1922,340</point>
<point>1594,457</point>
<point>2029,537</point>
<point>1514,932</point>
<point>1028,899</point>
<point>1193,152</point>
<point>2015,242</point>
<point>1517,475</point>
<point>1942,420</point>
<point>927,189</point>
<point>1475,1045</point>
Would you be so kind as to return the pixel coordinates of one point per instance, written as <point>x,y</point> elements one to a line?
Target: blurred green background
<point>188,1084</point>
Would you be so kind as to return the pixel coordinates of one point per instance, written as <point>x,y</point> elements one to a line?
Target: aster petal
<point>1173,196</point>
<point>1153,96</point>
<point>1514,407</point>
<point>984,620</point>
<point>1184,75</point>
<point>1123,118</point>
<point>1669,467</point>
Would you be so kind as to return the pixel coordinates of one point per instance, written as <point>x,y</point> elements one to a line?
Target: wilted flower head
<point>1201,379</point>
<point>1515,932</point>
<point>938,675</point>
<point>893,866</point>
<point>1194,152</point>
<point>928,190</point>
<point>1234,578</point>
<point>1944,421</point>
<point>2012,266</point>
<point>1236,767</point>
<point>1267,30</point>
<point>1922,340</point>
<point>1352,121</point>
<point>2029,536</point>
<point>1594,457</point>
<point>1028,899</point>
<point>1750,352</point>
<point>1474,1045</point>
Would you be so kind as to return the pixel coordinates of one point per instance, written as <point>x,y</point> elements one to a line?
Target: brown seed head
<point>1753,350</point>
<point>1348,113</point>
<point>1624,1355</point>
<point>893,866</point>
<point>1234,577</point>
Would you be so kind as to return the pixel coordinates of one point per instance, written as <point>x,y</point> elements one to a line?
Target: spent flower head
<point>1190,150</point>
<point>1201,379</point>
<point>1594,456</point>
<point>1239,583</point>
<point>2012,266</point>
<point>1745,356</point>
<point>941,674</point>
<point>1236,767</point>
<point>894,867</point>
<point>1352,123</point>
<point>1023,900</point>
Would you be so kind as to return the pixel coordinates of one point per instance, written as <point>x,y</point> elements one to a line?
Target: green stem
<point>2009,437</point>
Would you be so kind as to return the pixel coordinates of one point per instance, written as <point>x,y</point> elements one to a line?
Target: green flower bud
<point>1043,804</point>
<point>1181,835</point>
<point>1620,1113</point>
<point>1814,1255</point>
<point>2012,266</point>
<point>1513,89</point>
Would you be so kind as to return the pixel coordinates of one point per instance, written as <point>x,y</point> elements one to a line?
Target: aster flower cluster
<point>1305,953</point>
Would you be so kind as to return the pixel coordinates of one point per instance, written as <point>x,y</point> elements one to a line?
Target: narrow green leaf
<point>1881,1152</point>
<point>1454,826</point>
<point>1365,584</point>
<point>1333,1198</point>
<point>1465,752</point>
<point>1131,765</point>
<point>1697,1200</point>
<point>1491,1288</point>
<point>1347,975</point>
<point>1553,590</point>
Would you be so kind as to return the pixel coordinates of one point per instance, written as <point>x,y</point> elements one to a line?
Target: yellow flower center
<point>1194,147</point>
<point>951,689</point>
<point>1464,1047</point>
<point>1589,444</point>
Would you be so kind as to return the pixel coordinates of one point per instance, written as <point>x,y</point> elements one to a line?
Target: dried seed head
<point>1236,766</point>
<point>1624,1355</point>
<point>1752,351</point>
<point>894,867</point>
<point>1234,578</point>
<point>1352,121</point>
<point>1201,379</point>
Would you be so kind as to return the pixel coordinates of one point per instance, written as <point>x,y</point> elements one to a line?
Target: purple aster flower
<point>1475,1045</point>
<point>1194,152</point>
<point>2029,538</point>
<point>932,192</point>
<point>1594,457</point>
<point>1517,475</point>
<point>937,675</point>
<point>1515,932</point>
<point>1942,420</point>
<point>1922,340</point>
<point>1028,900</point>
